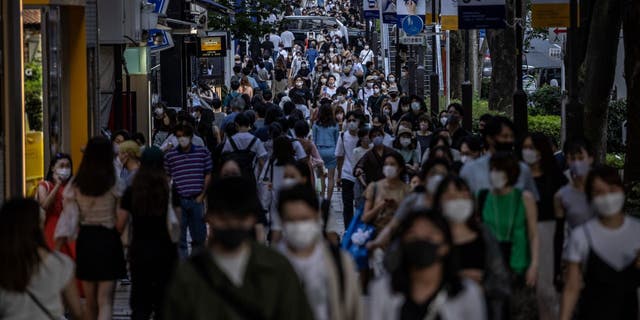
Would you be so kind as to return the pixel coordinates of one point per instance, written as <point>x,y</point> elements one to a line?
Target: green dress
<point>505,216</point>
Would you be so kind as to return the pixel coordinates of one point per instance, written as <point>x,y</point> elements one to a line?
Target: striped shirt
<point>188,169</point>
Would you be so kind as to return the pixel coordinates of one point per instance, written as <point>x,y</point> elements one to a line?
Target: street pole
<point>434,80</point>
<point>411,65</point>
<point>466,88</point>
<point>383,42</point>
<point>398,62</point>
<point>13,99</point>
<point>519,97</point>
<point>574,113</point>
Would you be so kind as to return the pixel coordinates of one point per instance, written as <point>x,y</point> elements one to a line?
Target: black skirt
<point>100,256</point>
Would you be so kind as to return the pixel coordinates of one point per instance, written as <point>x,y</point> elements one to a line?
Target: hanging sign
<point>412,25</point>
<point>549,13</point>
<point>371,9</point>
<point>389,11</point>
<point>481,14</point>
<point>449,14</point>
<point>410,8</point>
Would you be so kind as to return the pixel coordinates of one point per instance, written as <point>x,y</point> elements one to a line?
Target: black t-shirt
<point>547,186</point>
<point>305,93</point>
<point>472,254</point>
<point>149,229</point>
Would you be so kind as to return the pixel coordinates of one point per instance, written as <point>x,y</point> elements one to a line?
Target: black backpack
<point>245,158</point>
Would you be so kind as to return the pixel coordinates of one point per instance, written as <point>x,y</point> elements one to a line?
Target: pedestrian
<point>328,274</point>
<point>407,145</point>
<point>245,148</point>
<point>235,277</point>
<point>424,134</point>
<point>470,149</point>
<point>423,280</point>
<point>535,150</point>
<point>49,197</point>
<point>571,203</point>
<point>500,133</point>
<point>511,216</point>
<point>370,166</point>
<point>478,250</point>
<point>100,257</point>
<point>117,138</point>
<point>347,142</point>
<point>454,124</point>
<point>602,255</point>
<point>325,136</point>
<point>34,280</point>
<point>190,166</point>
<point>129,155</point>
<point>152,253</point>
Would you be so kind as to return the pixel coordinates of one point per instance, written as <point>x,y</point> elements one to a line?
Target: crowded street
<point>320,159</point>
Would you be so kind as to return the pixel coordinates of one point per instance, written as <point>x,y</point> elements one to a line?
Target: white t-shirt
<point>47,284</point>
<point>275,39</point>
<point>617,247</point>
<point>313,274</point>
<point>234,266</point>
<point>394,106</point>
<point>287,38</point>
<point>345,149</point>
<point>242,140</point>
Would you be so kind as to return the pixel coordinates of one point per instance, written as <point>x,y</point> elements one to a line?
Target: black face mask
<point>420,254</point>
<point>230,238</point>
<point>504,147</point>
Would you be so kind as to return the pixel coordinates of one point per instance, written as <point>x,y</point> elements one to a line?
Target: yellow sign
<point>449,14</point>
<point>550,13</point>
<point>211,44</point>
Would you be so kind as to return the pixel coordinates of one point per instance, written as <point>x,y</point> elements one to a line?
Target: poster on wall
<point>389,11</point>
<point>410,8</point>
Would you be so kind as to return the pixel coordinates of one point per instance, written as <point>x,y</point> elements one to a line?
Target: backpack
<point>245,158</point>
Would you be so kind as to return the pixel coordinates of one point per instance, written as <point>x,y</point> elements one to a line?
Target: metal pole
<point>398,62</point>
<point>93,58</point>
<point>13,99</point>
<point>448,83</point>
<point>434,80</point>
<point>574,114</point>
<point>519,97</point>
<point>382,41</point>
<point>466,88</point>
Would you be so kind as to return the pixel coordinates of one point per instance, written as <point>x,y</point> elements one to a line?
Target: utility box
<point>119,21</point>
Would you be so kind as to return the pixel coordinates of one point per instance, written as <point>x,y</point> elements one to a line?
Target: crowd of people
<point>230,210</point>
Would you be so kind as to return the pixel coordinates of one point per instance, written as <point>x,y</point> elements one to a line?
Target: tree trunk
<point>631,27</point>
<point>598,72</point>
<point>457,63</point>
<point>502,48</point>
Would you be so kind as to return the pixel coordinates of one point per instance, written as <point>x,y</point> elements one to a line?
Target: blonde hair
<point>131,148</point>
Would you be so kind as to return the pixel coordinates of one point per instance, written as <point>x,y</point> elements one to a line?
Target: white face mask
<point>498,179</point>
<point>415,106</point>
<point>609,204</point>
<point>405,142</point>
<point>529,156</point>
<point>433,183</point>
<point>301,234</point>
<point>443,121</point>
<point>63,173</point>
<point>289,182</point>
<point>392,79</point>
<point>352,126</point>
<point>299,84</point>
<point>184,141</point>
<point>465,159</point>
<point>457,211</point>
<point>390,171</point>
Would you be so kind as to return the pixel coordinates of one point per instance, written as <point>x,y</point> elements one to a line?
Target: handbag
<point>265,186</point>
<point>357,235</point>
<point>173,224</point>
<point>67,226</point>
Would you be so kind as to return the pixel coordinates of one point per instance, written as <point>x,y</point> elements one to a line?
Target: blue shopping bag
<point>356,237</point>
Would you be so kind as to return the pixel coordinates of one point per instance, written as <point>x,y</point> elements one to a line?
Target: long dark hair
<point>400,281</point>
<point>54,161</point>
<point>20,239</point>
<point>326,118</point>
<point>282,151</point>
<point>96,174</point>
<point>542,143</point>
<point>150,186</point>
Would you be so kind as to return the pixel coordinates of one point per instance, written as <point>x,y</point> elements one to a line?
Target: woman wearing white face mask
<point>479,253</point>
<point>328,275</point>
<point>383,196</point>
<point>603,255</point>
<point>407,146</point>
<point>535,150</point>
<point>511,216</point>
<point>570,202</point>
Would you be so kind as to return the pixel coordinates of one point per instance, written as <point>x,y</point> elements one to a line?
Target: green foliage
<point>241,24</point>
<point>616,116</point>
<point>546,101</point>
<point>633,199</point>
<point>485,86</point>
<point>615,160</point>
<point>549,125</point>
<point>33,94</point>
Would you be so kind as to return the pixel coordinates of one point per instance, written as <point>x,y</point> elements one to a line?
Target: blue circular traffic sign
<point>412,25</point>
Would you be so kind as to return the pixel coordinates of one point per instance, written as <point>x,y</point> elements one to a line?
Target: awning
<point>214,5</point>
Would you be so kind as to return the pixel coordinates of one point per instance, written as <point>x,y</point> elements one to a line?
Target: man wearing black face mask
<point>235,277</point>
<point>454,125</point>
<point>500,135</point>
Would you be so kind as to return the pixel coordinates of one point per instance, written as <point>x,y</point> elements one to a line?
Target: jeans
<point>192,218</point>
<point>347,201</point>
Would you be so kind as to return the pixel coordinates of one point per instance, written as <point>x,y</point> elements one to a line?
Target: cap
<point>393,89</point>
<point>370,78</point>
<point>403,131</point>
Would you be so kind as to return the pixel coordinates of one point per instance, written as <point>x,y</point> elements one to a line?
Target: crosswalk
<point>121,309</point>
